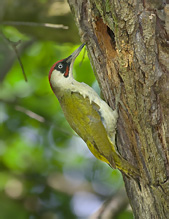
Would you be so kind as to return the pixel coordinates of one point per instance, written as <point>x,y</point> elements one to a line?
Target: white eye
<point>60,65</point>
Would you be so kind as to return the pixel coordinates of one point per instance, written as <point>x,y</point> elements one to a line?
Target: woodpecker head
<point>61,71</point>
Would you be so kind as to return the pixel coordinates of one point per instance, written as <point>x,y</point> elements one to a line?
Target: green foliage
<point>43,164</point>
<point>126,215</point>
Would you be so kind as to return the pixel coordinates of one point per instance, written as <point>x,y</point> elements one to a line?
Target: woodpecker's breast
<point>83,107</point>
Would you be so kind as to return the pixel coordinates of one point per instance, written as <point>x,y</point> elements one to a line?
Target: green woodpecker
<point>90,117</point>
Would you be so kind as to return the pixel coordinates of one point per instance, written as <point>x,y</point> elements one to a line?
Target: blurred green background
<point>46,170</point>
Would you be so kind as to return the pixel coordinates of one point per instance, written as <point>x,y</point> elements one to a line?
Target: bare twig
<point>10,58</point>
<point>35,116</point>
<point>19,60</point>
<point>13,45</point>
<point>70,187</point>
<point>84,53</point>
<point>34,24</point>
<point>30,113</point>
<point>112,207</point>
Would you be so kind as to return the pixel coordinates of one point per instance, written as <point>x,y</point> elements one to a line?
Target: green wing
<point>84,117</point>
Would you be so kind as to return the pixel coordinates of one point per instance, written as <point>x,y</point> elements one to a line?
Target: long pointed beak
<point>73,56</point>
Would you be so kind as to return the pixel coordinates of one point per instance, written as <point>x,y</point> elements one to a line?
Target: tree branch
<point>34,24</point>
<point>35,116</point>
<point>112,207</point>
<point>14,46</point>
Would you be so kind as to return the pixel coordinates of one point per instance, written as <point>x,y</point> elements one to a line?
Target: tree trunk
<point>128,46</point>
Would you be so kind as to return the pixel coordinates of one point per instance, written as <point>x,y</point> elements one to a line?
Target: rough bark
<point>127,43</point>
